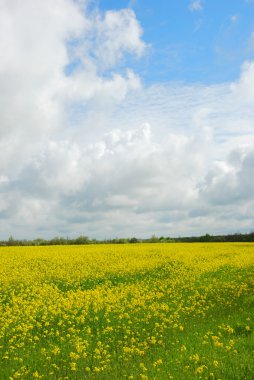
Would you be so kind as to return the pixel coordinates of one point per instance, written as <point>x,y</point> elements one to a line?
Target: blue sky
<point>126,118</point>
<point>204,45</point>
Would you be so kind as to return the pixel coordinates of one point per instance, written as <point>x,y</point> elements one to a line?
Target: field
<point>133,311</point>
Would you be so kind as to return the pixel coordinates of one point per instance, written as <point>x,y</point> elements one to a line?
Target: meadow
<point>131,311</point>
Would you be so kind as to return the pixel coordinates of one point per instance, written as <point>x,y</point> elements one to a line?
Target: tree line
<point>82,239</point>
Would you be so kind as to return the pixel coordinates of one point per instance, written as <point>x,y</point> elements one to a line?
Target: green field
<point>133,311</point>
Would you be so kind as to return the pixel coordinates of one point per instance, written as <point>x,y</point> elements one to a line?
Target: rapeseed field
<point>133,311</point>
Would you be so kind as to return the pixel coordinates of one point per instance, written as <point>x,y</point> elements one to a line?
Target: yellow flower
<point>200,369</point>
<point>157,362</point>
<point>55,350</point>
<point>74,356</point>
<point>73,366</point>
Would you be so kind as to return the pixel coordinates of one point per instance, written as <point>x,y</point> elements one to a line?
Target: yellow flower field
<point>131,311</point>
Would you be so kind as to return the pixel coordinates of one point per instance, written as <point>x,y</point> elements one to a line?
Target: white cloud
<point>231,181</point>
<point>196,5</point>
<point>85,148</point>
<point>244,89</point>
<point>118,32</point>
<point>36,95</point>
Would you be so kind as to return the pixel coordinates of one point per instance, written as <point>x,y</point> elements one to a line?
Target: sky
<point>126,118</point>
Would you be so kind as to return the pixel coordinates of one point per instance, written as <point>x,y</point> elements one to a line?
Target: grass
<point>157,311</point>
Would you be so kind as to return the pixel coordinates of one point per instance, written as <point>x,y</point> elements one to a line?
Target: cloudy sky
<point>123,118</point>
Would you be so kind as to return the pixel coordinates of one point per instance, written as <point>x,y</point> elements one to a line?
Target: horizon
<point>126,118</point>
<point>128,239</point>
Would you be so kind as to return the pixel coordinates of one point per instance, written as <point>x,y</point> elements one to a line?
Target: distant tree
<point>122,241</point>
<point>39,241</point>
<point>11,241</point>
<point>81,240</point>
<point>154,239</point>
<point>134,240</point>
<point>206,238</point>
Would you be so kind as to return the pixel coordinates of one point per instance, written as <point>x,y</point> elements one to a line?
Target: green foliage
<point>82,239</point>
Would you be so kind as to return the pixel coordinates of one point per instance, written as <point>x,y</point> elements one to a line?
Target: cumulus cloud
<point>118,32</point>
<point>86,148</point>
<point>231,181</point>
<point>243,89</point>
